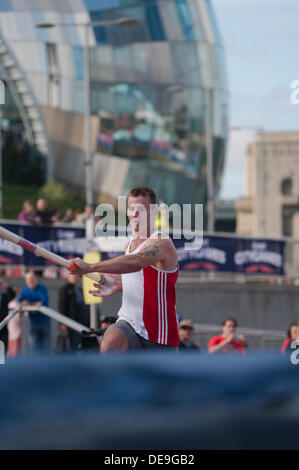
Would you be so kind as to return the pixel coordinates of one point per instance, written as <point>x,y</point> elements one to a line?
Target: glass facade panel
<point>94,5</point>
<point>55,35</point>
<point>213,22</point>
<point>187,71</point>
<point>222,70</point>
<point>154,21</point>
<point>29,5</point>
<point>5,5</point>
<point>210,73</point>
<point>206,23</point>
<point>220,113</point>
<point>76,5</point>
<point>31,50</point>
<point>123,64</point>
<point>43,63</point>
<point>102,99</point>
<point>78,96</point>
<point>18,5</point>
<point>196,19</point>
<point>67,94</point>
<point>39,84</point>
<point>66,61</point>
<point>185,19</point>
<point>9,29</point>
<point>78,62</point>
<point>24,22</point>
<point>77,35</point>
<point>101,64</point>
<point>153,63</point>
<point>169,16</point>
<point>100,32</point>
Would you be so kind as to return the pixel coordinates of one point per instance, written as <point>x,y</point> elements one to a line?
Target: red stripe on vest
<point>153,322</point>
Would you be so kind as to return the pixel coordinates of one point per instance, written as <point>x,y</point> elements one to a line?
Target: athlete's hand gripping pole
<point>39,251</point>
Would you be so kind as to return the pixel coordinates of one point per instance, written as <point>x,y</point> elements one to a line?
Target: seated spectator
<point>228,342</point>
<point>185,334</point>
<point>14,329</point>
<point>43,215</point>
<point>87,218</point>
<point>86,215</point>
<point>28,213</point>
<point>75,218</point>
<point>292,334</point>
<point>36,294</point>
<point>55,217</point>
<point>69,216</point>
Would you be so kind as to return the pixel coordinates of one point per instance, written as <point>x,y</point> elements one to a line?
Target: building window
<point>79,62</point>
<point>287,225</point>
<point>54,78</point>
<point>286,186</point>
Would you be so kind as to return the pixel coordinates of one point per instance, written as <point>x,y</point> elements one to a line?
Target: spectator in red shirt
<point>292,333</point>
<point>228,342</point>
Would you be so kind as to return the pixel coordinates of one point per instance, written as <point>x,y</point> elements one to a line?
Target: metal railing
<point>49,312</point>
<point>202,332</point>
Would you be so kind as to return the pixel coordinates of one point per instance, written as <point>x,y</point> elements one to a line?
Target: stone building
<point>270,207</point>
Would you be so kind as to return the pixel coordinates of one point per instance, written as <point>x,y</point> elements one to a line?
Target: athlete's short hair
<point>144,191</point>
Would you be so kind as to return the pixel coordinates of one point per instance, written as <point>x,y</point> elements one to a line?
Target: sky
<point>261,42</point>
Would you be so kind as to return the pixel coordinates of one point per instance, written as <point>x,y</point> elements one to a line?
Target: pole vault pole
<point>39,251</point>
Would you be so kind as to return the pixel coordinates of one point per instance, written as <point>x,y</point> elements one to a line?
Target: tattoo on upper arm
<point>150,250</point>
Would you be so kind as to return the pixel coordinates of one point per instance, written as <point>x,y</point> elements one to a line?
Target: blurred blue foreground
<point>150,401</point>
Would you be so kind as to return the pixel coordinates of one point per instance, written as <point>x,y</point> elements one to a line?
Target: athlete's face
<point>139,213</point>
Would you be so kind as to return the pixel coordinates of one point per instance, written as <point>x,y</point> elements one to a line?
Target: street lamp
<point>124,21</point>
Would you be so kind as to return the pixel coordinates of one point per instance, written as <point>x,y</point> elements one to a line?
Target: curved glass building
<point>149,82</point>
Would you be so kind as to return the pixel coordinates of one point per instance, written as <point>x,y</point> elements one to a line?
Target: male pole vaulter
<point>149,271</point>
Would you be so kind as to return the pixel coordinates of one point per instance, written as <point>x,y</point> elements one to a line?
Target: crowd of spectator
<point>42,215</point>
<point>227,341</point>
<point>35,293</point>
<point>71,304</point>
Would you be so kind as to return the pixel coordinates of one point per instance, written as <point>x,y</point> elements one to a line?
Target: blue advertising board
<point>222,254</point>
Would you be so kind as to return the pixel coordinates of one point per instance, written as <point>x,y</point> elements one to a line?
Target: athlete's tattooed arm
<point>150,250</point>
<point>152,253</point>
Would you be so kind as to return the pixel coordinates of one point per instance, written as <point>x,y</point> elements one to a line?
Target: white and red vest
<point>148,303</point>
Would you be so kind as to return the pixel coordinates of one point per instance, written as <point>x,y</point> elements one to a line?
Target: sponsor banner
<point>259,256</point>
<point>240,255</point>
<point>222,254</point>
<point>47,237</point>
<point>9,252</point>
